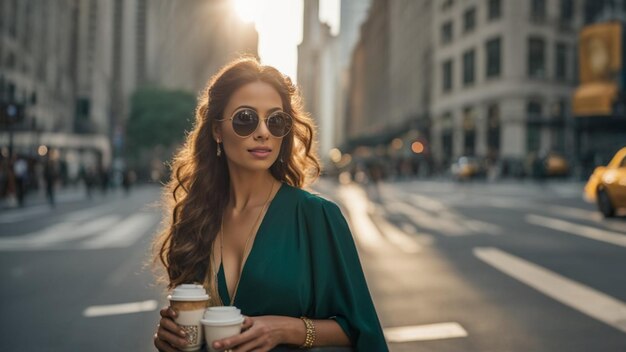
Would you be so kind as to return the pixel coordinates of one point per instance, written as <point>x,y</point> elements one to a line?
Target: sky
<point>280,31</point>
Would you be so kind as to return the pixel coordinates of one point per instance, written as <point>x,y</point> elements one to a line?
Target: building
<point>504,74</point>
<point>368,102</point>
<point>45,72</point>
<point>191,40</point>
<point>318,75</point>
<point>69,68</point>
<point>352,15</point>
<point>391,83</point>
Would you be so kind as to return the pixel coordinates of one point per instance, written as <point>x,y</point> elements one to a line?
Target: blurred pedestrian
<point>246,230</point>
<point>128,179</point>
<point>20,170</point>
<point>104,176</point>
<point>375,174</point>
<point>51,174</point>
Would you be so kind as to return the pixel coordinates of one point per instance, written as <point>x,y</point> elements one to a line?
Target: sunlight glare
<point>247,9</point>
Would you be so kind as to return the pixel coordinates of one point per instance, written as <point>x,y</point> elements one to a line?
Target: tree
<point>158,121</point>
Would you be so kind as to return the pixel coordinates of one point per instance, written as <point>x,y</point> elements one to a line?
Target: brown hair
<point>197,192</point>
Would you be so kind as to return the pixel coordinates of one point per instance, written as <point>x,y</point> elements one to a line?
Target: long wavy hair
<point>197,193</point>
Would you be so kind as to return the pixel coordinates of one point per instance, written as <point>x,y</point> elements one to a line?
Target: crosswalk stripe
<point>424,332</point>
<point>124,308</point>
<point>123,234</point>
<point>366,233</point>
<point>569,292</point>
<point>426,220</point>
<point>615,238</point>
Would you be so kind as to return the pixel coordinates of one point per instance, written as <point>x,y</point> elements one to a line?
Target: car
<point>466,168</point>
<point>607,185</point>
<point>556,165</point>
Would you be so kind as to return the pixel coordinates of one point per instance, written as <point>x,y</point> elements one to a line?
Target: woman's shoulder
<point>309,198</point>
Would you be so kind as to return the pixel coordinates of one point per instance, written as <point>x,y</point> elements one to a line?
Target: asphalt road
<point>451,267</point>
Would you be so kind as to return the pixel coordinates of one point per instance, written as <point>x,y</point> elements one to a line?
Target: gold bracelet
<point>310,333</point>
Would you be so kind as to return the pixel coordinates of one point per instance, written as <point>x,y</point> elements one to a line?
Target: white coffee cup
<point>190,301</point>
<point>220,323</point>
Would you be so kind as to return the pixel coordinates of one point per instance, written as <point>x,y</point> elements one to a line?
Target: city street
<point>451,267</point>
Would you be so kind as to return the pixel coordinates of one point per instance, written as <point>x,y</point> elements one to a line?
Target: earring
<point>281,158</point>
<point>219,150</point>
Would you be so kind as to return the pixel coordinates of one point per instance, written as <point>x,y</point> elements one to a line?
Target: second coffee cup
<point>221,322</point>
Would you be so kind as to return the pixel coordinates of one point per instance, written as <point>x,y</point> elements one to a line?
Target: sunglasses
<point>246,121</point>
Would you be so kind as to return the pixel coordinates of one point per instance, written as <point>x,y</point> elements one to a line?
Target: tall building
<point>69,67</point>
<point>368,102</point>
<point>318,76</point>
<point>190,40</point>
<point>352,15</point>
<point>46,64</point>
<point>504,73</point>
<point>410,72</point>
<point>391,83</point>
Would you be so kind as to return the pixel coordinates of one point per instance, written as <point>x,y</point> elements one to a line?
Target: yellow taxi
<point>607,185</point>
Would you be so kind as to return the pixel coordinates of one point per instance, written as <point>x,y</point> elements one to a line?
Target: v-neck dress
<point>304,262</point>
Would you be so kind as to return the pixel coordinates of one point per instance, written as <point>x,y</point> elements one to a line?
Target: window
<point>533,137</point>
<point>567,11</point>
<point>468,67</point>
<point>493,128</point>
<point>469,20</point>
<point>561,61</point>
<point>12,19</point>
<point>447,4</point>
<point>493,58</point>
<point>533,110</point>
<point>494,9</point>
<point>447,76</point>
<point>536,57</point>
<point>447,126</point>
<point>469,131</point>
<point>533,128</point>
<point>447,32</point>
<point>538,10</point>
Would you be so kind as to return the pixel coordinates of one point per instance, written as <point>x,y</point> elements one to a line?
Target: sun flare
<point>247,10</point>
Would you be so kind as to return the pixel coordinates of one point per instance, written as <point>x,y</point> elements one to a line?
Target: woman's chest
<point>276,277</point>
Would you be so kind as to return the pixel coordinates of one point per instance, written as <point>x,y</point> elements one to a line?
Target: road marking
<point>424,332</point>
<point>365,231</point>
<point>117,309</point>
<point>123,234</point>
<point>116,234</point>
<point>426,220</point>
<point>78,231</point>
<point>571,293</point>
<point>615,238</point>
<point>92,212</point>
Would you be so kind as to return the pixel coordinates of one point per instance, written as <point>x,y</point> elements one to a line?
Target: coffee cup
<point>220,323</point>
<point>190,301</point>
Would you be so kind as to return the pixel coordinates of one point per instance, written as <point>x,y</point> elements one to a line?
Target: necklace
<point>245,248</point>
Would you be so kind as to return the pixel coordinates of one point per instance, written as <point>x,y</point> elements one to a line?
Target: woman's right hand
<point>169,336</point>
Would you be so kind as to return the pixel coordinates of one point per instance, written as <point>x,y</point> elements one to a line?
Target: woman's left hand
<point>258,334</point>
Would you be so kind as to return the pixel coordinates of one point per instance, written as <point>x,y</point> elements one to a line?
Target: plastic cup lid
<point>226,315</point>
<point>188,292</point>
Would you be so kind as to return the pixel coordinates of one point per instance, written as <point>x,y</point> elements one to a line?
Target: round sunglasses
<point>246,121</point>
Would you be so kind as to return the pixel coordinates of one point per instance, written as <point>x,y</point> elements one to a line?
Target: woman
<point>242,225</point>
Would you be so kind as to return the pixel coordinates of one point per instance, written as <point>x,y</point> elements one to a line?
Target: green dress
<point>304,262</point>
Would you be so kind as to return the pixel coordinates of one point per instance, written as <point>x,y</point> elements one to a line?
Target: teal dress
<point>304,262</point>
